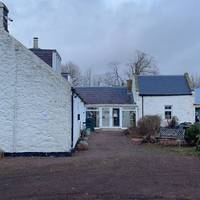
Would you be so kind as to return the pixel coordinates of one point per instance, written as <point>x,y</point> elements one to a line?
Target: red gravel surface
<point>113,168</point>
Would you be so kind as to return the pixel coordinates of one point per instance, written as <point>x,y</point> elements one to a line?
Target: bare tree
<point>74,71</point>
<point>107,79</point>
<point>115,76</point>
<point>87,78</point>
<point>98,80</point>
<point>142,64</point>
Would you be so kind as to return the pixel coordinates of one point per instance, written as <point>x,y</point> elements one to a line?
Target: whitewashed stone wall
<point>35,102</point>
<point>182,107</point>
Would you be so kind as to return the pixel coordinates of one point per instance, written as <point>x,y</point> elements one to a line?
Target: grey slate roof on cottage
<point>197,96</point>
<point>105,95</point>
<point>44,54</point>
<point>163,85</point>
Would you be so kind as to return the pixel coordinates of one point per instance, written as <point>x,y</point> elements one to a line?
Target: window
<point>168,112</point>
<point>128,119</point>
<point>168,107</point>
<point>79,117</point>
<point>93,115</point>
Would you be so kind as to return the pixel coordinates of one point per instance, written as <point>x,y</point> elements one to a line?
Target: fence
<point>169,133</point>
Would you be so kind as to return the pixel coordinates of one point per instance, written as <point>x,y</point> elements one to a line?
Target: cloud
<point>94,33</point>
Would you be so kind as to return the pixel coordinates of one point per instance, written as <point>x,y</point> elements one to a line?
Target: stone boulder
<point>82,146</point>
<point>137,141</point>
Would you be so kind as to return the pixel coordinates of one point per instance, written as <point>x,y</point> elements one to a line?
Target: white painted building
<point>120,108</point>
<point>166,96</point>
<point>49,56</point>
<point>109,107</point>
<point>79,117</point>
<point>197,105</point>
<point>35,101</point>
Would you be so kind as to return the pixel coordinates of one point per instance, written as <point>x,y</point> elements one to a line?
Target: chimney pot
<point>35,43</point>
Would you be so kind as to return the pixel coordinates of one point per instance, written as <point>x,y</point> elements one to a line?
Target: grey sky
<point>93,33</point>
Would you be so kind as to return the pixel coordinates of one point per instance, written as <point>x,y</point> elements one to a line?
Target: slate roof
<point>163,85</point>
<point>105,95</point>
<point>197,96</point>
<point>44,54</point>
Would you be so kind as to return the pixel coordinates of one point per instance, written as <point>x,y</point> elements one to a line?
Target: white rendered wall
<point>182,107</point>
<point>35,102</point>
<point>79,108</point>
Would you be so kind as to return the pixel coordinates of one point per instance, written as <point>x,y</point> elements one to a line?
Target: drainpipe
<point>142,106</point>
<point>72,116</point>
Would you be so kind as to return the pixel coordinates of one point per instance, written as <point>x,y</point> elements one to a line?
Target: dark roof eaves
<point>165,94</point>
<point>160,75</point>
<point>46,50</point>
<point>110,103</point>
<point>74,91</point>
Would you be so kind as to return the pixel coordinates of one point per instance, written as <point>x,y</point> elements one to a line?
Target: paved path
<point>113,168</point>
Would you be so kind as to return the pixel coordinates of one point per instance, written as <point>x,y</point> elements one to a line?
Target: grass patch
<point>185,151</point>
<point>182,151</point>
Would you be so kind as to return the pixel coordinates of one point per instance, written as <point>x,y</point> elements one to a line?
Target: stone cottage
<point>109,107</point>
<point>166,96</point>
<point>35,101</point>
<point>53,59</point>
<point>121,107</point>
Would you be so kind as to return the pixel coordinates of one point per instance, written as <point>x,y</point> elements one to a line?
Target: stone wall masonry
<point>35,102</point>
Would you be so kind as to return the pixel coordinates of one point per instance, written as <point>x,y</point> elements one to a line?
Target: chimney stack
<point>67,77</point>
<point>3,17</point>
<point>35,43</point>
<point>189,81</point>
<point>129,85</point>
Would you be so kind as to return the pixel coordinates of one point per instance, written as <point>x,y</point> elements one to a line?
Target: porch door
<point>116,117</point>
<point>105,117</point>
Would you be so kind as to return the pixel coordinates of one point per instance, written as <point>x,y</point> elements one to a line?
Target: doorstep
<point>109,129</point>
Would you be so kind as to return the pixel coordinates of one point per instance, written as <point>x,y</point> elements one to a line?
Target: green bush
<point>149,126</point>
<point>198,143</point>
<point>173,123</point>
<point>192,133</point>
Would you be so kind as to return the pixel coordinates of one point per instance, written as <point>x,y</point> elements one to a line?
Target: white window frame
<point>127,109</point>
<point>168,110</point>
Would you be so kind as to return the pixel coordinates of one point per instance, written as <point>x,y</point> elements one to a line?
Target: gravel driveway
<point>113,168</point>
